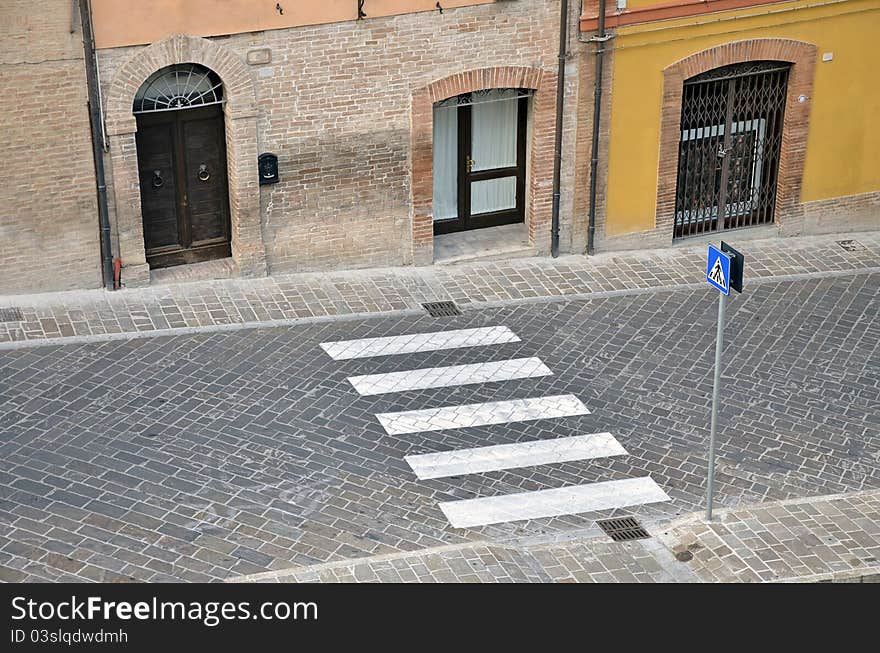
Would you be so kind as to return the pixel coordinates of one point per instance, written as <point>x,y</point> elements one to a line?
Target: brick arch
<point>240,115</point>
<point>238,85</point>
<point>795,125</point>
<point>539,165</point>
<point>483,78</point>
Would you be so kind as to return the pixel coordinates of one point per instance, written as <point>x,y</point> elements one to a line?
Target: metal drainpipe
<point>557,148</point>
<point>600,39</point>
<point>85,12</point>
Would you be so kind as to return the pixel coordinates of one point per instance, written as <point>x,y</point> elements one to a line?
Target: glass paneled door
<point>479,160</point>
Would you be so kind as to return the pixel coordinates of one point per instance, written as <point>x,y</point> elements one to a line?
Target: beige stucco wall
<point>135,22</point>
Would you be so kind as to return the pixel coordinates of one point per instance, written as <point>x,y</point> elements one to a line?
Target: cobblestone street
<point>289,299</point>
<point>215,455</point>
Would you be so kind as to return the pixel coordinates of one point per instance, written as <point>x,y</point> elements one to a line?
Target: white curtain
<point>493,145</point>
<point>445,160</point>
<point>493,129</point>
<point>493,195</point>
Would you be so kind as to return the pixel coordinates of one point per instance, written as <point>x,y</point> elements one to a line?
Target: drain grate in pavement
<point>851,245</point>
<point>441,309</point>
<point>623,529</point>
<point>11,314</point>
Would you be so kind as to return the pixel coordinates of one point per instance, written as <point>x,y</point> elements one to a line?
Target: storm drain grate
<point>12,314</point>
<point>441,309</point>
<point>851,245</point>
<point>623,529</point>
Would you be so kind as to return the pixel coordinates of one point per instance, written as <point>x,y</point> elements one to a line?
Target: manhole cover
<point>623,529</point>
<point>11,314</point>
<point>441,309</point>
<point>851,245</point>
<point>684,556</point>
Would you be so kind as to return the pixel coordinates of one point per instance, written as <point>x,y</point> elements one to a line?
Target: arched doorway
<point>536,195</point>
<point>181,151</point>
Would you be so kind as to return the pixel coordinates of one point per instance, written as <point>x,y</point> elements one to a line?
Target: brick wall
<point>852,213</point>
<point>49,237</point>
<point>334,103</point>
<point>582,151</point>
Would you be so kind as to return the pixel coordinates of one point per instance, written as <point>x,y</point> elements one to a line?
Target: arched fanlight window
<point>179,87</point>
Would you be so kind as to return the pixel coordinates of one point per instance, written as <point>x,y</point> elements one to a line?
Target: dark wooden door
<point>488,195</point>
<point>184,198</point>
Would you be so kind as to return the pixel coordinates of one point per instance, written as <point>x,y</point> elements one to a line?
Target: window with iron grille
<point>729,147</point>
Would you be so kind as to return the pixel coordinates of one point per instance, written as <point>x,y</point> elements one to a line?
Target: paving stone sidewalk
<point>98,314</point>
<point>832,538</point>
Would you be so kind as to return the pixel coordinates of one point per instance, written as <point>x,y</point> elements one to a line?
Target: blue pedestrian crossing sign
<point>718,269</point>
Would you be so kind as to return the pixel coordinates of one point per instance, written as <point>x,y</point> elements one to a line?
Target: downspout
<point>557,147</point>
<point>91,66</point>
<point>600,39</point>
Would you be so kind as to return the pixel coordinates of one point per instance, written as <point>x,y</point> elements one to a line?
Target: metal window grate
<point>11,314</point>
<point>484,96</point>
<point>441,309</point>
<point>730,147</point>
<point>851,245</point>
<point>623,529</point>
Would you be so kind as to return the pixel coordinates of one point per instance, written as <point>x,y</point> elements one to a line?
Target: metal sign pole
<point>716,391</point>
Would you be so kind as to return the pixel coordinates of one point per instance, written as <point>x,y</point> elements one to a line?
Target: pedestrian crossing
<point>483,511</point>
<point>511,456</point>
<point>552,503</point>
<point>418,342</point>
<point>483,414</point>
<point>444,377</point>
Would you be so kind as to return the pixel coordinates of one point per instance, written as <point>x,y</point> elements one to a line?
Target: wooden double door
<point>480,160</point>
<point>184,195</point>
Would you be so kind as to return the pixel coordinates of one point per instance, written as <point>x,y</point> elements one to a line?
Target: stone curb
<point>866,574</point>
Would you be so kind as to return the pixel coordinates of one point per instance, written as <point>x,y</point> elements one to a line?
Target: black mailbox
<point>268,165</point>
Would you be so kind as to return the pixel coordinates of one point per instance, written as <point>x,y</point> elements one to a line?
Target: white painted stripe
<point>444,377</point>
<point>511,456</point>
<point>553,503</point>
<point>414,342</point>
<point>492,412</point>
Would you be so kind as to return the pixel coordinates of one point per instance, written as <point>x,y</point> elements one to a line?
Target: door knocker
<point>204,175</point>
<point>158,182</point>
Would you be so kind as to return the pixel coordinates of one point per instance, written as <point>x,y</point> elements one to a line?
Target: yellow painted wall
<point>137,22</point>
<point>843,146</point>
<point>642,4</point>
